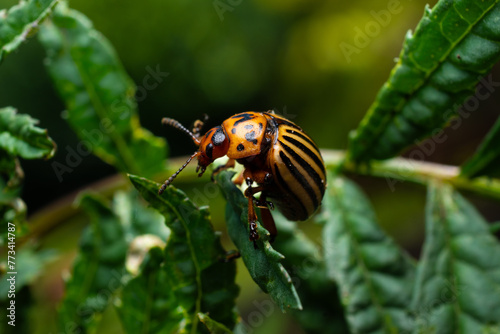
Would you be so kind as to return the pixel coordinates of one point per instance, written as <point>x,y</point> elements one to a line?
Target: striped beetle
<point>276,154</point>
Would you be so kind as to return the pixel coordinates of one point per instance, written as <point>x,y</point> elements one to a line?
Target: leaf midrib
<point>424,81</point>
<point>457,307</point>
<point>101,112</point>
<point>100,109</point>
<point>149,302</point>
<point>94,264</point>
<point>443,218</point>
<point>195,262</point>
<point>366,273</point>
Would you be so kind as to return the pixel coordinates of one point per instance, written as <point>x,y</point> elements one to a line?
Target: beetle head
<point>214,144</point>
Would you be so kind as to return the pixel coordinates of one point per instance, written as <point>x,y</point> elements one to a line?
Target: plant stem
<point>399,170</point>
<point>395,171</point>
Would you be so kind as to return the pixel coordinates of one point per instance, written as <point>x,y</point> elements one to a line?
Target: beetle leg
<point>263,204</point>
<point>268,222</point>
<point>252,216</point>
<point>263,178</point>
<point>268,178</point>
<point>230,256</point>
<point>267,218</point>
<point>229,164</point>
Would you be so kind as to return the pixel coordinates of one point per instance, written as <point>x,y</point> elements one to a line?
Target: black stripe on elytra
<point>242,117</point>
<point>281,121</point>
<point>284,185</point>
<point>307,167</point>
<point>300,178</point>
<point>277,121</point>
<point>303,137</point>
<point>307,151</point>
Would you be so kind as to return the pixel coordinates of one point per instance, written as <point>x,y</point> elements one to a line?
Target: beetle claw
<point>230,256</point>
<point>200,174</point>
<point>254,235</point>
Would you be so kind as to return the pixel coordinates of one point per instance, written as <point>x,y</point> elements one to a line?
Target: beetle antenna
<point>177,125</point>
<point>170,179</point>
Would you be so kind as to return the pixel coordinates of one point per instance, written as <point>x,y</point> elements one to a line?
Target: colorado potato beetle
<point>277,155</point>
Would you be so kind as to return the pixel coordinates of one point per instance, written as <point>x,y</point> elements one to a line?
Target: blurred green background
<point>222,58</point>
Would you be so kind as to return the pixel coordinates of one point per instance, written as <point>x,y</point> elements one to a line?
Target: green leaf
<point>12,211</point>
<point>98,94</point>
<point>137,219</point>
<point>457,287</point>
<point>454,45</point>
<point>28,265</point>
<point>21,138</point>
<point>99,269</point>
<point>374,275</point>
<point>495,227</point>
<point>12,176</point>
<point>263,263</point>
<point>213,326</point>
<point>195,272</point>
<point>148,304</point>
<point>486,161</point>
<point>20,21</point>
<point>322,311</point>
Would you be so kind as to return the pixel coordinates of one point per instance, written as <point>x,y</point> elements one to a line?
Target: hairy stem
<point>395,171</point>
<point>399,170</point>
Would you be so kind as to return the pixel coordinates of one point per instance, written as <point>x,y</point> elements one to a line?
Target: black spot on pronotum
<point>249,126</point>
<point>209,149</point>
<point>218,137</point>
<point>242,117</point>
<point>233,131</point>
<point>240,147</point>
<point>250,136</point>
